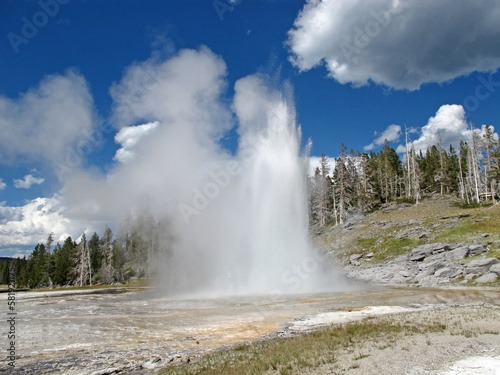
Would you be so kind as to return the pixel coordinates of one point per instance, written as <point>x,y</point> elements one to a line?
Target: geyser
<point>249,232</point>
<point>227,223</point>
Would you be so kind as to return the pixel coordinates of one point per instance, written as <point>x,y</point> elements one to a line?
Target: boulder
<point>404,273</point>
<point>355,257</point>
<point>459,253</point>
<point>495,268</point>
<point>446,272</point>
<point>490,277</point>
<point>481,265</point>
<point>477,249</point>
<point>429,269</point>
<point>421,252</point>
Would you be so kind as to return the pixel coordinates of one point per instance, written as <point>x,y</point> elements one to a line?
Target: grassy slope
<point>382,232</point>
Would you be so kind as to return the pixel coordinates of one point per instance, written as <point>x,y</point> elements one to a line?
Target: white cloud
<point>3,185</point>
<point>23,226</point>
<point>399,43</point>
<point>450,124</point>
<point>128,137</point>
<point>314,162</point>
<point>44,122</point>
<point>28,181</point>
<point>391,133</point>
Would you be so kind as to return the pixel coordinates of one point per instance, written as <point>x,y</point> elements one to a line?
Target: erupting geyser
<point>251,233</point>
<point>227,223</point>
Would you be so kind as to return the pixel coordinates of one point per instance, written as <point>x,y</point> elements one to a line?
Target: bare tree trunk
<point>416,182</point>
<point>461,176</point>
<point>335,213</point>
<point>408,168</point>
<point>475,165</point>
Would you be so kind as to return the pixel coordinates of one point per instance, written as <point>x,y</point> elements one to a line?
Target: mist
<point>232,223</point>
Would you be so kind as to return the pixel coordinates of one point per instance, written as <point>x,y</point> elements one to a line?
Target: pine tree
<point>4,272</point>
<point>38,275</point>
<point>95,253</point>
<point>21,273</point>
<point>64,262</point>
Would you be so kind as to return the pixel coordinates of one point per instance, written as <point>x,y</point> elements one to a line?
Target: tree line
<point>363,181</point>
<point>96,260</point>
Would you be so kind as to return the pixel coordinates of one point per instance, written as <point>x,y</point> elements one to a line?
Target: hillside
<point>434,243</point>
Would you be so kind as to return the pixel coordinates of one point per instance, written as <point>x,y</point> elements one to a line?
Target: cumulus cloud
<point>28,181</point>
<point>44,122</point>
<point>450,124</point>
<point>3,185</point>
<point>398,43</point>
<point>315,162</point>
<point>23,226</point>
<point>128,137</point>
<point>391,133</point>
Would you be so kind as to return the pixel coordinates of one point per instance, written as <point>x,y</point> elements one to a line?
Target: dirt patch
<point>470,331</point>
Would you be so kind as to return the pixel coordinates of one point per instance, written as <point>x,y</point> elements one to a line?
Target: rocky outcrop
<point>429,265</point>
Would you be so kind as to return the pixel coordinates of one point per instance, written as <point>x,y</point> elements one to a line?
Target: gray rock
<point>459,253</point>
<point>355,257</point>
<point>481,265</point>
<point>370,254</point>
<point>404,273</point>
<point>490,277</point>
<point>421,252</point>
<point>429,269</point>
<point>445,272</point>
<point>477,249</point>
<point>495,268</point>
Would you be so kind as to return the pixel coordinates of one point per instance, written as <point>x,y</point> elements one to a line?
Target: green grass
<point>386,247</point>
<point>470,228</point>
<point>293,355</point>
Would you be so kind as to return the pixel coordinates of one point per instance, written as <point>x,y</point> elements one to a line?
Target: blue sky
<point>359,70</point>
